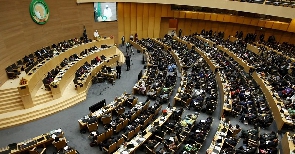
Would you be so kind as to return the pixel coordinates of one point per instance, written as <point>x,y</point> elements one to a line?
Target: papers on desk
<point>53,136</point>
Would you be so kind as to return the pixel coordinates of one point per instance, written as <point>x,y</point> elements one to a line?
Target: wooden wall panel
<point>214,26</point>
<point>181,23</point>
<point>226,18</point>
<point>261,23</point>
<point>20,35</point>
<point>133,27</point>
<point>139,27</point>
<point>291,27</point>
<point>292,40</point>
<point>187,27</point>
<point>247,21</point>
<point>276,25</point>
<point>164,10</point>
<point>284,26</point>
<point>176,14</point>
<point>285,37</point>
<point>201,25</point>
<point>188,15</point>
<point>220,17</point>
<point>139,19</point>
<point>145,20</point>
<point>233,19</point>
<point>201,15</point>
<point>207,16</point>
<point>195,15</point>
<point>228,30</point>
<point>127,10</point>
<point>213,17</point>
<point>194,26</point>
<point>181,14</point>
<point>240,20</point>
<point>133,9</point>
<point>157,22</point>
<point>268,24</point>
<point>254,22</point>
<point>164,27</point>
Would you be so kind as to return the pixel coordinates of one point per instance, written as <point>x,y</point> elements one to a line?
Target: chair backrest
<point>134,101</point>
<point>125,123</point>
<point>130,135</point>
<point>60,144</point>
<point>106,120</point>
<point>120,142</point>
<point>145,107</point>
<point>158,110</point>
<point>133,117</point>
<point>121,111</point>
<point>109,133</point>
<point>137,129</point>
<point>112,148</point>
<point>119,127</point>
<point>71,152</point>
<point>101,138</point>
<point>92,127</point>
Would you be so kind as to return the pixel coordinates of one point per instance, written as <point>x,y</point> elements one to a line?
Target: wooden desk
<point>43,139</point>
<point>104,110</point>
<point>138,140</point>
<point>88,79</point>
<point>273,102</point>
<point>287,143</point>
<point>253,48</point>
<point>29,90</point>
<point>64,81</point>
<point>219,135</point>
<point>224,93</point>
<point>137,46</point>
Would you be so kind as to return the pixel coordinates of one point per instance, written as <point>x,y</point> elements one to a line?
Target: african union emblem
<point>39,11</point>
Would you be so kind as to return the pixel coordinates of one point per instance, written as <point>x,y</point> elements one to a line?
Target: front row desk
<point>35,77</point>
<point>38,144</point>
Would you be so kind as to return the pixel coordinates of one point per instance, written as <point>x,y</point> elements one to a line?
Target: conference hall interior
<point>147,77</point>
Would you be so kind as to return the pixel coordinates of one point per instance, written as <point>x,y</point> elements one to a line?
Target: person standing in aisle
<point>123,40</point>
<point>128,62</point>
<point>118,69</point>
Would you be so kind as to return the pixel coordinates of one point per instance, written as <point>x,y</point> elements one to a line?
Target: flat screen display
<point>105,12</point>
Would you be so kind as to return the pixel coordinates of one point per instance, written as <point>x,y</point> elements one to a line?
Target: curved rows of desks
<point>111,61</point>
<point>272,101</point>
<point>69,98</point>
<point>61,85</point>
<point>34,80</point>
<point>213,66</point>
<point>278,52</point>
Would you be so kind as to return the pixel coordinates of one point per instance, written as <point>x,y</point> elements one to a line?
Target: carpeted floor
<point>67,119</point>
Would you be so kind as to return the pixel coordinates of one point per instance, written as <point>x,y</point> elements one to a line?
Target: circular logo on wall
<point>39,11</point>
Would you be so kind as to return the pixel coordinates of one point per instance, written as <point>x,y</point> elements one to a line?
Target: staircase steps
<point>44,98</point>
<point>10,100</point>
<point>37,114</point>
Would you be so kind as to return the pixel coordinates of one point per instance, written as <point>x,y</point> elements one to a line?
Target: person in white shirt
<point>131,37</point>
<point>96,35</point>
<point>107,13</point>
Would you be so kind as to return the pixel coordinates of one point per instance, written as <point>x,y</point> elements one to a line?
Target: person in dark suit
<point>128,62</point>
<point>118,69</point>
